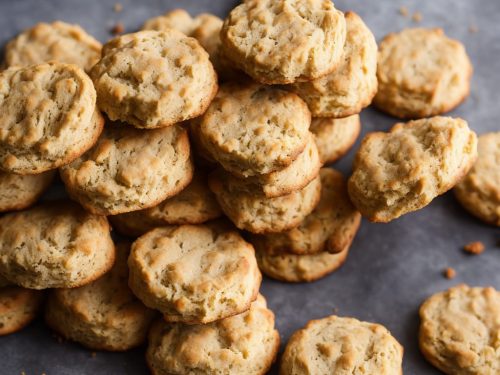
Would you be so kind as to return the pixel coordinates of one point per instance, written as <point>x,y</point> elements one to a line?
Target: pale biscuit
<point>341,345</point>
<point>421,73</point>
<point>242,344</point>
<point>194,273</point>
<point>130,169</point>
<point>54,245</point>
<point>49,117</point>
<point>284,41</point>
<point>479,191</point>
<point>459,330</point>
<point>154,79</point>
<point>405,169</point>
<point>18,307</point>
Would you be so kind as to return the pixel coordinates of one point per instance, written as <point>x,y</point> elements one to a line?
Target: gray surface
<point>391,268</point>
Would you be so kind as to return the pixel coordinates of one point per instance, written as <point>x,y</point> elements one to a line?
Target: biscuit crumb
<point>417,17</point>
<point>117,7</point>
<point>335,310</point>
<point>449,273</point>
<point>23,373</point>
<point>403,11</point>
<point>473,29</point>
<point>118,29</point>
<point>93,354</point>
<point>474,248</point>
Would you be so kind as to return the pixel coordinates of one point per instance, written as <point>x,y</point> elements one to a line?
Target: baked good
<point>102,315</point>
<point>194,273</point>
<point>18,307</point>
<point>57,41</point>
<point>479,191</point>
<point>48,117</point>
<point>242,344</point>
<point>284,41</point>
<point>153,79</point>
<point>405,169</point>
<point>459,330</point>
<point>421,73</point>
<point>54,245</point>
<point>130,169</point>
<point>350,87</point>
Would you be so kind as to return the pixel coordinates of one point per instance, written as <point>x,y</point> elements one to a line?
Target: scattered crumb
<point>417,17</point>
<point>23,373</point>
<point>118,29</point>
<point>335,310</point>
<point>117,7</point>
<point>474,248</point>
<point>449,273</point>
<point>403,11</point>
<point>473,29</point>
<point>93,354</point>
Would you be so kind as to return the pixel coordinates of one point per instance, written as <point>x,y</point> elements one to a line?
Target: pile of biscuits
<point>205,141</point>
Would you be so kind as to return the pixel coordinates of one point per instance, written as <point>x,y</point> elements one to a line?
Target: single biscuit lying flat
<point>459,330</point>
<point>18,307</point>
<point>404,170</point>
<point>421,73</point>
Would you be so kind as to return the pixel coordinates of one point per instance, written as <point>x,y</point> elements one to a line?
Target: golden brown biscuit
<point>18,307</point>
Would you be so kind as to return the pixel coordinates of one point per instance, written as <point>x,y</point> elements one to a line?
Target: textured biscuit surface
<point>129,169</point>
<point>194,274</point>
<point>102,315</point>
<point>351,86</point>
<point>404,170</point>
<point>284,41</point>
<point>54,245</point>
<point>153,79</point>
<point>48,117</point>
<point>242,344</point>
<point>421,73</point>
<point>459,330</point>
<point>479,191</point>
<point>339,345</point>
<point>57,41</point>
<point>18,307</point>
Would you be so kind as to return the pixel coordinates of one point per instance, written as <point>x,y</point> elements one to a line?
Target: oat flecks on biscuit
<point>314,349</point>
<point>242,344</point>
<point>153,79</point>
<point>130,169</point>
<point>405,169</point>
<point>194,273</point>
<point>421,73</point>
<point>18,307</point>
<point>54,245</point>
<point>479,191</point>
<point>284,41</point>
<point>459,330</point>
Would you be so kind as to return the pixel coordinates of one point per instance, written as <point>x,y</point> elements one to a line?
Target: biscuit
<point>130,169</point>
<point>195,204</point>
<point>421,73</point>
<point>54,245</point>
<point>48,117</point>
<point>18,192</point>
<point>57,41</point>
<point>335,137</point>
<point>284,41</point>
<point>258,214</point>
<point>252,129</point>
<point>194,273</point>
<point>405,169</point>
<point>18,307</point>
<point>341,345</point>
<point>102,315</point>
<point>242,344</point>
<point>350,87</point>
<point>459,330</point>
<point>153,79</point>
<point>479,191</point>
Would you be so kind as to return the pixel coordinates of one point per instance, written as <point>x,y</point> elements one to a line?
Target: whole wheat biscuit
<point>284,41</point>
<point>194,273</point>
<point>57,41</point>
<point>242,344</point>
<point>253,129</point>
<point>18,192</point>
<point>351,86</point>
<point>195,204</point>
<point>479,191</point>
<point>340,345</point>
<point>54,245</point>
<point>18,307</point>
<point>153,79</point>
<point>102,315</point>
<point>130,169</point>
<point>48,117</point>
<point>258,214</point>
<point>421,73</point>
<point>459,330</point>
<point>404,170</point>
<point>334,137</point>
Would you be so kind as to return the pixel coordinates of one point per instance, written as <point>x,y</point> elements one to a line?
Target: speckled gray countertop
<point>392,267</point>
